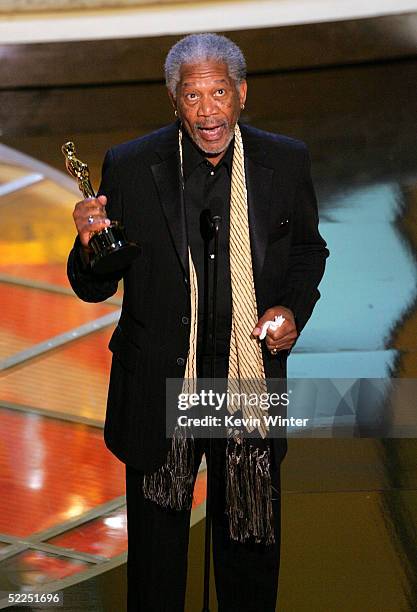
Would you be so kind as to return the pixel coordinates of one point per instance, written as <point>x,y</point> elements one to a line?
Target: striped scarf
<point>248,503</point>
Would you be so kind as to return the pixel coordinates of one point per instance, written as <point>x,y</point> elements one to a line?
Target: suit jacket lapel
<point>166,175</point>
<point>259,189</point>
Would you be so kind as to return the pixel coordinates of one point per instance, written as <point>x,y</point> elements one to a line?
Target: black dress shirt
<point>208,187</point>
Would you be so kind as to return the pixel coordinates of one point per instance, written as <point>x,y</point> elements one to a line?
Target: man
<point>271,260</point>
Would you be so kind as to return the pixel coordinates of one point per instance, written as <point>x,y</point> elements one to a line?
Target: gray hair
<point>202,47</point>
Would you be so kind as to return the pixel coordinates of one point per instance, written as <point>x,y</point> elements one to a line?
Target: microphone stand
<point>212,226</point>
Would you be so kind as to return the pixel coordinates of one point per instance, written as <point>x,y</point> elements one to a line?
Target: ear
<point>243,90</point>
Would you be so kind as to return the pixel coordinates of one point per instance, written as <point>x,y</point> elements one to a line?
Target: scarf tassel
<point>171,486</point>
<point>249,493</point>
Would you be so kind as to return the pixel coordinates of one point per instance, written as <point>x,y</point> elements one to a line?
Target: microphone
<point>209,224</point>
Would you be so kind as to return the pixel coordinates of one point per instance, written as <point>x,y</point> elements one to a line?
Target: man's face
<point>209,104</point>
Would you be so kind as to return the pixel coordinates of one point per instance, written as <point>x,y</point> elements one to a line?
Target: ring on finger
<point>90,219</point>
<point>274,351</point>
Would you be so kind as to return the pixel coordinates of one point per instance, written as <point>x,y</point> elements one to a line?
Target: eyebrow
<point>192,83</point>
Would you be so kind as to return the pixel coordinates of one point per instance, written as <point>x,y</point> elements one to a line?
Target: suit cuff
<point>77,266</point>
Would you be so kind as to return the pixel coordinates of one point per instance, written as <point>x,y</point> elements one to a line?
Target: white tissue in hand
<point>277,322</point>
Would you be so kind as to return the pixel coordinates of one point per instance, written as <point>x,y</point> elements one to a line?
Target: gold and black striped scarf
<point>248,503</point>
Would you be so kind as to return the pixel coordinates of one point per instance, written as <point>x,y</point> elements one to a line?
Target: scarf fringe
<point>171,486</point>
<point>249,493</point>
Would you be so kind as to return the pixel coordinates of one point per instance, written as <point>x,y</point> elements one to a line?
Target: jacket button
<point>180,361</point>
<point>185,320</point>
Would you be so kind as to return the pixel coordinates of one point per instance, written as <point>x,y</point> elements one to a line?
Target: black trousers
<point>246,575</point>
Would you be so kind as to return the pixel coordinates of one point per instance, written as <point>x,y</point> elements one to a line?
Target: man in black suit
<point>158,187</point>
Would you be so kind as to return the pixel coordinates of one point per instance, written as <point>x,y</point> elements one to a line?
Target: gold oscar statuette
<point>110,249</point>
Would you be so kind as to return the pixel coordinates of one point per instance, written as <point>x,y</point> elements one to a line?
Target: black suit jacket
<point>141,180</point>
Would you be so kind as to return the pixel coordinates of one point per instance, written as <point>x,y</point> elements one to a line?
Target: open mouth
<point>211,132</point>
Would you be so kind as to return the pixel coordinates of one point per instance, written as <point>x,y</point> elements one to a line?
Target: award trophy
<point>110,249</point>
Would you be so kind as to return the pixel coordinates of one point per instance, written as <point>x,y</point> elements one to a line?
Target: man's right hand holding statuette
<point>104,244</point>
<point>90,216</point>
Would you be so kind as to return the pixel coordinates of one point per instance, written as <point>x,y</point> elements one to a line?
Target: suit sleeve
<point>308,252</point>
<point>89,286</point>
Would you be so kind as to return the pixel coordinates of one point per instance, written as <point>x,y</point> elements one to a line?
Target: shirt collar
<point>193,157</point>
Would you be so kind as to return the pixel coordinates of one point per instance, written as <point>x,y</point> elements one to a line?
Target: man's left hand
<point>284,336</point>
